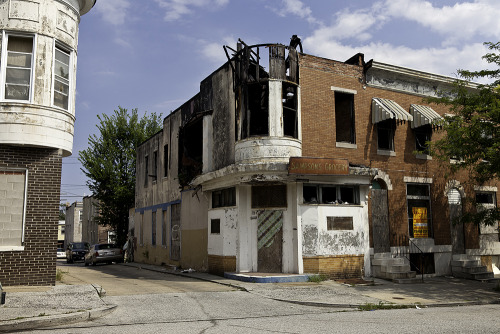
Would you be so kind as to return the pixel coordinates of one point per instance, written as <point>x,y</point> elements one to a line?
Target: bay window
<point>17,65</point>
<point>61,78</point>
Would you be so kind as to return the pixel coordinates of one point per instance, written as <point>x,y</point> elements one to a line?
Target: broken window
<point>385,134</point>
<point>256,119</point>
<point>153,228</point>
<point>190,151</point>
<point>344,117</point>
<point>330,194</point>
<point>289,98</point>
<point>339,223</point>
<point>423,135</point>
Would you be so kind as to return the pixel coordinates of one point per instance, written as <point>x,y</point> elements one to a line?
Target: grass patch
<point>318,278</point>
<point>382,306</point>
<point>60,274</point>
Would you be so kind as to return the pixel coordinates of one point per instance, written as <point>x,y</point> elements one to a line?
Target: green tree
<point>471,132</point>
<point>109,164</point>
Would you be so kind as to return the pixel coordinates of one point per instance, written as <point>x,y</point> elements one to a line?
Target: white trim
<point>70,53</point>
<point>11,248</point>
<point>344,90</point>
<point>412,179</point>
<point>386,153</point>
<point>423,156</point>
<point>485,188</point>
<point>346,145</point>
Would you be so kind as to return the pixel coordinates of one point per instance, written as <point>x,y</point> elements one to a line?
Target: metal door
<point>270,241</point>
<point>380,221</point>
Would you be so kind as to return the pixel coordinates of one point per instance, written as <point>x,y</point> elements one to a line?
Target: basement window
<point>344,118</point>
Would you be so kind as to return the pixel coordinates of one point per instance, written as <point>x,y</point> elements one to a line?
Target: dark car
<point>104,253</point>
<point>76,251</point>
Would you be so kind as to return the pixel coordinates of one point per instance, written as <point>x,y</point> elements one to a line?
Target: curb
<point>54,320</point>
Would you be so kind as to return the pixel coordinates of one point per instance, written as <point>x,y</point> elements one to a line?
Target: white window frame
<point>3,64</point>
<point>19,248</point>
<point>70,53</point>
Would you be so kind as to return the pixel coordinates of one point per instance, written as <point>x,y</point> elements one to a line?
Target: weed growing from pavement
<point>59,274</point>
<point>381,306</point>
<point>318,278</point>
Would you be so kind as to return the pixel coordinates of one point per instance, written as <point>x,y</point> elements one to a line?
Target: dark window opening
<point>330,194</point>
<point>224,197</point>
<point>153,229</point>
<point>385,135</point>
<point>190,152</point>
<point>258,110</point>
<point>422,262</point>
<point>215,226</point>
<point>290,121</point>
<point>146,170</point>
<point>155,166</point>
<point>485,198</point>
<point>165,160</point>
<point>344,118</point>
<point>423,135</point>
<point>269,196</point>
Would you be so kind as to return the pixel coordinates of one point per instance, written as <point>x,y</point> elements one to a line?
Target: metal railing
<point>406,247</point>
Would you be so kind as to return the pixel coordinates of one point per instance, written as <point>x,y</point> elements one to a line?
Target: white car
<point>61,254</point>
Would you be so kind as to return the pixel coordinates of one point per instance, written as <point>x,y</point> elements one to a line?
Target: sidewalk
<point>28,307</point>
<point>36,307</point>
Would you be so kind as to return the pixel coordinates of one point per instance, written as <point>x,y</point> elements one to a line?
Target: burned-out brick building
<point>286,162</point>
<point>38,52</point>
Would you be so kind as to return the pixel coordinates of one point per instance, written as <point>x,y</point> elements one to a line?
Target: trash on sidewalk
<point>188,270</point>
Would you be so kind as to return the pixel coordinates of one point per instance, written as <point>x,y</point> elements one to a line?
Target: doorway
<point>270,241</point>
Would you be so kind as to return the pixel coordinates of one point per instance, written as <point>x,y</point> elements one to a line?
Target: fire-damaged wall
<point>217,97</point>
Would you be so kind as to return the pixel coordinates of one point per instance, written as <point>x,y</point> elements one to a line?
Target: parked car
<point>104,253</point>
<point>76,251</point>
<point>61,254</point>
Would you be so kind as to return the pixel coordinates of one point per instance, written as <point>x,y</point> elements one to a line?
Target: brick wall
<point>36,265</point>
<point>335,266</point>
<point>217,265</point>
<point>317,76</point>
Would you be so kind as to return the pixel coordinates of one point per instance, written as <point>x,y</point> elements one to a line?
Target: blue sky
<point>152,54</point>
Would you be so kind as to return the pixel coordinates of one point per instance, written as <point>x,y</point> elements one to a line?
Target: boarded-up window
<point>12,206</point>
<point>269,196</point>
<point>215,226</point>
<point>339,223</point>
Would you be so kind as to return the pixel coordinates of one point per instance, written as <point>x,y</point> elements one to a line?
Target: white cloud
<point>113,11</point>
<point>462,21</point>
<point>176,9</point>
<point>214,52</point>
<point>297,7</point>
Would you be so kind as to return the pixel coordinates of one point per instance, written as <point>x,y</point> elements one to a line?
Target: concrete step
<point>412,280</point>
<point>470,270</point>
<point>465,263</point>
<point>458,257</point>
<point>388,261</point>
<point>401,275</point>
<point>480,276</point>
<point>398,268</point>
